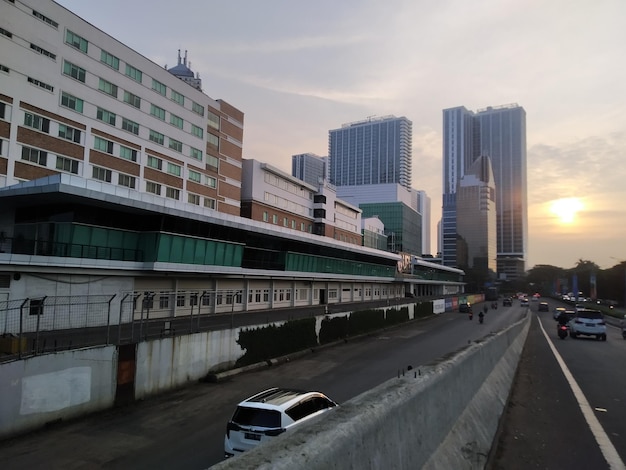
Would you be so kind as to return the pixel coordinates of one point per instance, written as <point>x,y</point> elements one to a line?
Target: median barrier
<point>442,415</point>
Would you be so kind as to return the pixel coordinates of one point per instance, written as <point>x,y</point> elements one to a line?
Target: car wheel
<point>603,337</point>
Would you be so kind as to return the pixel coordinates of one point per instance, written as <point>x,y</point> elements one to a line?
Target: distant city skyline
<point>296,72</point>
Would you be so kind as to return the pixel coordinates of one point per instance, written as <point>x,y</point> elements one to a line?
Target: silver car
<point>588,322</point>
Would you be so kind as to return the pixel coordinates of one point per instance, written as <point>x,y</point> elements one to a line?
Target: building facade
<point>476,220</point>
<point>75,100</point>
<point>499,133</point>
<point>373,151</point>
<point>310,168</point>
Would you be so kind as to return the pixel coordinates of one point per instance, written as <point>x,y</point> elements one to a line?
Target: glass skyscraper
<point>499,133</point>
<point>309,167</point>
<point>377,150</point>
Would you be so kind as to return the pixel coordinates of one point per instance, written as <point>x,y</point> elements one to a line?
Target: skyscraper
<point>499,133</point>
<point>377,150</point>
<point>309,167</point>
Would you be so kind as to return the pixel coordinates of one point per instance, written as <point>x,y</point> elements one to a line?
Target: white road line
<point>606,446</point>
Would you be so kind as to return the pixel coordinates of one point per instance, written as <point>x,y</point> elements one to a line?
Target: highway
<point>184,429</point>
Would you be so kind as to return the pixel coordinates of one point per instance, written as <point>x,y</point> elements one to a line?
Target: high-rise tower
<point>499,133</point>
<point>373,151</point>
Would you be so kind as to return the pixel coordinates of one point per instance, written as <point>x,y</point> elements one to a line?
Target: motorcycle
<point>562,331</point>
<point>481,317</point>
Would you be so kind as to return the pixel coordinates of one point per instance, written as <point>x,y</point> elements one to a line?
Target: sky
<point>298,69</point>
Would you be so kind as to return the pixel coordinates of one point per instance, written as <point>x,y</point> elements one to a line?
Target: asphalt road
<point>543,424</point>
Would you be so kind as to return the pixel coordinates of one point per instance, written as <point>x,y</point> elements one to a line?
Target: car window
<point>591,315</point>
<point>247,416</point>
<point>308,407</point>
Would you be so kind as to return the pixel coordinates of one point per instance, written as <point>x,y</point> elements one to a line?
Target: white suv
<point>588,322</point>
<point>270,413</point>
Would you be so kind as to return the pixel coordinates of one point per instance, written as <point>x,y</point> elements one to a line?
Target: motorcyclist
<point>563,319</point>
<point>481,315</point>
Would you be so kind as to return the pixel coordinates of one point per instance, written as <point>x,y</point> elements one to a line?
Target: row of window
<point>40,157</point>
<point>293,224</point>
<point>130,71</point>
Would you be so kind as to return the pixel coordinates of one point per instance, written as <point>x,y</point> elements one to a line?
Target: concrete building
<point>377,150</point>
<point>309,167</point>
<point>272,196</point>
<point>75,100</point>
<point>499,133</point>
<point>476,220</point>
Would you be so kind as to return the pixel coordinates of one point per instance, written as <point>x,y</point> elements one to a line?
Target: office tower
<point>374,151</point>
<point>309,167</point>
<point>476,220</point>
<point>499,133</point>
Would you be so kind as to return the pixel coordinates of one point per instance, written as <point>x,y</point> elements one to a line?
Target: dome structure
<point>184,72</point>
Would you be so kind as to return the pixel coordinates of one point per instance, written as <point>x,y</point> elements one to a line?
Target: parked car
<point>465,308</point>
<point>543,307</point>
<point>267,414</point>
<point>588,322</point>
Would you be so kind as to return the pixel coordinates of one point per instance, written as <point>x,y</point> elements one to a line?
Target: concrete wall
<point>438,417</point>
<point>68,384</point>
<point>57,386</point>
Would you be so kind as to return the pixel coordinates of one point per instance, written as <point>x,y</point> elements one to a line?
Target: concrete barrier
<point>440,416</point>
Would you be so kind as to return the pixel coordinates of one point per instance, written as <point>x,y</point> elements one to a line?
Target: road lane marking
<point>606,446</point>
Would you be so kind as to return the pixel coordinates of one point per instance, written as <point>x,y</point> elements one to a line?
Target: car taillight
<point>231,427</point>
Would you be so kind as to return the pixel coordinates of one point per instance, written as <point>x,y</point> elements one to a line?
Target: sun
<point>566,208</point>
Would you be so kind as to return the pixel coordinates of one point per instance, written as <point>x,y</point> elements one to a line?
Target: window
<point>42,51</point>
<point>69,133</point>
<point>76,41</point>
<point>130,126</point>
<point>35,307</point>
<point>193,199</point>
<point>194,176</point>
<point>5,69</point>
<point>176,145</point>
<point>172,193</point>
<point>213,141</point>
<point>180,300</point>
<point>156,137</point>
<point>209,203</point>
<point>101,174</point>
<point>159,87</point>
<point>133,73</point>
<point>197,108</point>
<point>211,182</point>
<point>106,116</point>
<point>214,120</point>
<point>45,19</point>
<point>8,34</point>
<point>157,112</point>
<point>195,153</point>
<point>173,169</point>
<point>131,99</point>
<point>213,162</point>
<point>164,300</point>
<point>125,180</point>
<point>176,121</point>
<point>71,102</point>
<point>74,71</point>
<point>34,81</point>
<point>37,122</point>
<point>154,162</point>
<point>153,188</point>
<point>197,131</point>
<point>128,153</point>
<point>285,222</point>
<point>274,219</point>
<point>193,299</point>
<point>109,59</point>
<point>265,216</point>
<point>178,98</point>
<point>108,87</point>
<point>34,155</point>
<point>103,145</point>
<point>67,164</point>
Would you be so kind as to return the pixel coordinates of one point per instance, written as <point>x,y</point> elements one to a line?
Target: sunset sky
<point>298,69</point>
